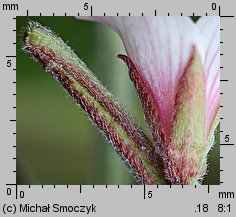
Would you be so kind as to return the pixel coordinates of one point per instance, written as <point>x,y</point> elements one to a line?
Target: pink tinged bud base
<point>185,156</point>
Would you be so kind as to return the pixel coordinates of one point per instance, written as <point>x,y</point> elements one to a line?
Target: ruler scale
<point>116,200</point>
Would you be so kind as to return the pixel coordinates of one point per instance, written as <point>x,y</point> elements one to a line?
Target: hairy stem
<point>123,133</point>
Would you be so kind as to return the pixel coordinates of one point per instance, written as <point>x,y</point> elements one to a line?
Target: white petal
<point>209,28</point>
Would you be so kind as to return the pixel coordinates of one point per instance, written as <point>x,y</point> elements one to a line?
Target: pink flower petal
<point>209,28</point>
<point>160,48</point>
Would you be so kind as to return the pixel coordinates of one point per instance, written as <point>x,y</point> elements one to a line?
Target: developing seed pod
<point>113,121</point>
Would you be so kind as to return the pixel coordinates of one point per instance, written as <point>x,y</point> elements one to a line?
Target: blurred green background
<point>56,143</point>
